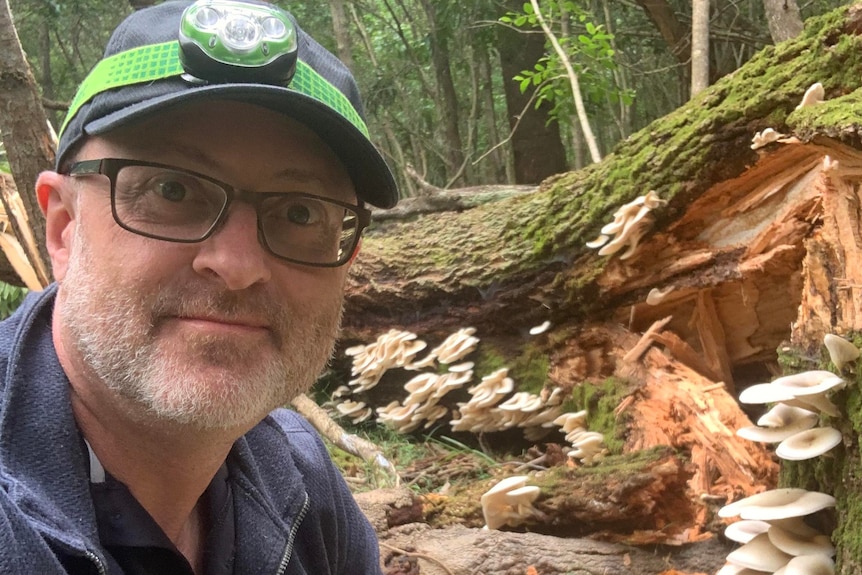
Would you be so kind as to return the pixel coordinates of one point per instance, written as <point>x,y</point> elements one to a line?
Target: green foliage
<point>590,52</point>
<point>10,298</point>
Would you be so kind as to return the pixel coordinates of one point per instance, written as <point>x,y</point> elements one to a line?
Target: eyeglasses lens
<point>180,206</point>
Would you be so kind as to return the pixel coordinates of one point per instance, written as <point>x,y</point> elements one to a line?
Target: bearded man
<point>209,196</point>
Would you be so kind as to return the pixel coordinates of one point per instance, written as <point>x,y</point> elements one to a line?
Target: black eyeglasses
<point>177,205</point>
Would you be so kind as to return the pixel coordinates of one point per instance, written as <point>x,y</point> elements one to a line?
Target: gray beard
<point>114,331</point>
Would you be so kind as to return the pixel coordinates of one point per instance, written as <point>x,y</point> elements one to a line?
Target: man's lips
<point>246,324</point>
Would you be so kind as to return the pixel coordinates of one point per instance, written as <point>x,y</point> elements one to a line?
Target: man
<point>208,200</point>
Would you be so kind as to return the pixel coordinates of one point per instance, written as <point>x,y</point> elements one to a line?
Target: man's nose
<point>233,253</point>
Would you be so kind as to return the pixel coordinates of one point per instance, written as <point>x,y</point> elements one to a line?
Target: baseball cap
<point>142,74</point>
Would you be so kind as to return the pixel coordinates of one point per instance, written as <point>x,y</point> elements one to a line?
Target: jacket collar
<point>40,446</point>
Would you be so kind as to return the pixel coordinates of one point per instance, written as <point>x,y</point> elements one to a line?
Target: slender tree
<point>699,45</point>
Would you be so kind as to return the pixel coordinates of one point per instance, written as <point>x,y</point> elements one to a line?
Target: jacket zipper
<point>291,538</point>
<point>95,559</point>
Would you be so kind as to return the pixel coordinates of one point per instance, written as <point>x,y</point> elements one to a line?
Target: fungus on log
<point>762,248</point>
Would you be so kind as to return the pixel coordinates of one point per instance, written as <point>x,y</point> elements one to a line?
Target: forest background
<point>463,94</point>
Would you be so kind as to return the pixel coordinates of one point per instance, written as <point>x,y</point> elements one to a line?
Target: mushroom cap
<point>796,544</point>
<point>764,393</point>
<point>782,414</point>
<point>541,328</point>
<point>505,485</point>
<point>778,504</point>
<point>759,554</point>
<point>809,443</point>
<point>776,434</point>
<point>809,383</point>
<point>461,367</point>
<point>745,530</point>
<point>840,350</point>
<point>523,495</point>
<point>808,565</point>
<point>817,402</point>
<point>598,242</point>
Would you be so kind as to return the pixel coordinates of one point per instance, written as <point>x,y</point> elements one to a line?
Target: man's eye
<point>305,213</point>
<point>298,214</point>
<point>171,190</point>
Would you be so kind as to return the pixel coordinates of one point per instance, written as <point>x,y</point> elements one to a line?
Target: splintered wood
<point>677,406</point>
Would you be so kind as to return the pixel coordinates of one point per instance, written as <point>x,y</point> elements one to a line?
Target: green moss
<point>600,401</point>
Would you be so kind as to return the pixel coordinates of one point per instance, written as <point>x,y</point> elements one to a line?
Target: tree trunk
<point>699,46</point>
<point>537,148</point>
<point>662,15</point>
<point>343,47</point>
<point>26,137</point>
<point>755,248</point>
<point>446,94</point>
<point>783,19</point>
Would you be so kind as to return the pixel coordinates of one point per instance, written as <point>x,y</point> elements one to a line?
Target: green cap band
<point>160,61</point>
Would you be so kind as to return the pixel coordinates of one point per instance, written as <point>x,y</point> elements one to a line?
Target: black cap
<point>141,74</point>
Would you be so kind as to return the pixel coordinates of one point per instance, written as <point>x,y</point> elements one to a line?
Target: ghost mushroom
<point>841,351</point>
<point>509,502</point>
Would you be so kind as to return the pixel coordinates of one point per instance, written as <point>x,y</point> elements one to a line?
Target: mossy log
<point>759,253</point>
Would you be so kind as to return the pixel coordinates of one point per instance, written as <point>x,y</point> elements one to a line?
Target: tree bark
<point>343,47</point>
<point>446,93</point>
<point>25,133</point>
<point>783,19</point>
<point>662,15</point>
<point>699,46</point>
<point>537,148</point>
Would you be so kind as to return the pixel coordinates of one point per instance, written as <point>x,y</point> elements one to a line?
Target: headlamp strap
<point>160,61</point>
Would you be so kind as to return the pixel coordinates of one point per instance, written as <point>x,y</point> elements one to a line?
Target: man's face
<point>213,334</point>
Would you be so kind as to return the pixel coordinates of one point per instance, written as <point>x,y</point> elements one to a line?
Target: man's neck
<point>166,468</point>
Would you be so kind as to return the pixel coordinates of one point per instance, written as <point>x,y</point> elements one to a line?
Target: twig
<point>417,555</point>
<point>350,443</point>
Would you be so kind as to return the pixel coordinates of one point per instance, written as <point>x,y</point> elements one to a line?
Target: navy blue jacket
<point>294,513</point>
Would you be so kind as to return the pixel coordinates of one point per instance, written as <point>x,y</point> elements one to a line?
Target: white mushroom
<point>631,222</point>
<point>795,544</point>
<point>598,242</point>
<point>806,420</point>
<point>656,296</point>
<point>808,444</point>
<point>539,329</point>
<point>765,137</point>
<point>745,530</point>
<point>808,565</point>
<point>841,351</point>
<point>813,95</point>
<point>759,554</point>
<point>778,504</point>
<point>509,502</point>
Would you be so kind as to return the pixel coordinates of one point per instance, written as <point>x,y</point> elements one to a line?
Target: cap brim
<point>365,165</point>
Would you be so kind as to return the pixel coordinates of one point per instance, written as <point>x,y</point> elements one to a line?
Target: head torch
<point>237,41</point>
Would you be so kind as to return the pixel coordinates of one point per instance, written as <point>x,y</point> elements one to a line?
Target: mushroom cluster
<point>774,535</point>
<point>395,348</point>
<point>589,446</point>
<point>631,222</point>
<point>791,422</point>
<point>420,407</point>
<point>509,502</point>
<point>485,413</point>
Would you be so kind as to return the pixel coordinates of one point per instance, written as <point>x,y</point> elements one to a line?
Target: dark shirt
<point>139,545</point>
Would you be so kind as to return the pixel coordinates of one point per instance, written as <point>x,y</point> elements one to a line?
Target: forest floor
<point>431,523</point>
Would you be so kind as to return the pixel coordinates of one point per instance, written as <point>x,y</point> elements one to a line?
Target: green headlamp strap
<point>160,61</point>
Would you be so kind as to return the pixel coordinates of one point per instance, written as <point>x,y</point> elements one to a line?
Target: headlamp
<point>238,41</point>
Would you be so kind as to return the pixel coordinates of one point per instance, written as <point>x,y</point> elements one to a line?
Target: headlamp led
<point>238,41</point>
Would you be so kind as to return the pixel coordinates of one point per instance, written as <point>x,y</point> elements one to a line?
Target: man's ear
<point>57,200</point>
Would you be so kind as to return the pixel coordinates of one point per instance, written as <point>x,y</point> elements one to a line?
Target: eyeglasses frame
<point>110,168</point>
